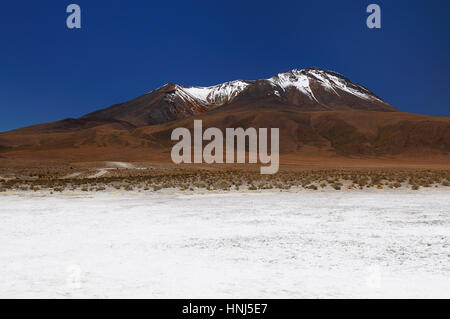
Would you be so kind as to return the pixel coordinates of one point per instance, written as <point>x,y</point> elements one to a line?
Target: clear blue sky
<point>127,48</point>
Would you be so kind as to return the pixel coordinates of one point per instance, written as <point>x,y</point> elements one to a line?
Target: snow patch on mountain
<point>333,82</point>
<point>301,80</point>
<point>214,95</point>
<point>295,78</point>
<point>180,92</point>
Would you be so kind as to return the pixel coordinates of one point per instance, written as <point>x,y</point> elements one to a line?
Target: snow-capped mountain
<point>320,114</point>
<point>309,89</point>
<point>303,80</point>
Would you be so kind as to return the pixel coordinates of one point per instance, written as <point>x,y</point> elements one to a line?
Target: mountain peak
<point>311,89</point>
<point>333,82</point>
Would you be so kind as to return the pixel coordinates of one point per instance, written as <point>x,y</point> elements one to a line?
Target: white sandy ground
<point>233,245</point>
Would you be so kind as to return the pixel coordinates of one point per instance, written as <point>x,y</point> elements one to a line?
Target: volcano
<point>319,113</point>
<point>308,90</point>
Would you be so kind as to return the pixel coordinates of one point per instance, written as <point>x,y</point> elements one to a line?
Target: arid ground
<point>152,177</point>
<point>381,243</point>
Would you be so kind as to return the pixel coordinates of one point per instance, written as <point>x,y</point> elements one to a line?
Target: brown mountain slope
<point>326,134</point>
<point>344,133</point>
<point>156,107</point>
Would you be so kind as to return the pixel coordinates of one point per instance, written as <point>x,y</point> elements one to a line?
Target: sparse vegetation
<point>336,186</point>
<point>154,180</point>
